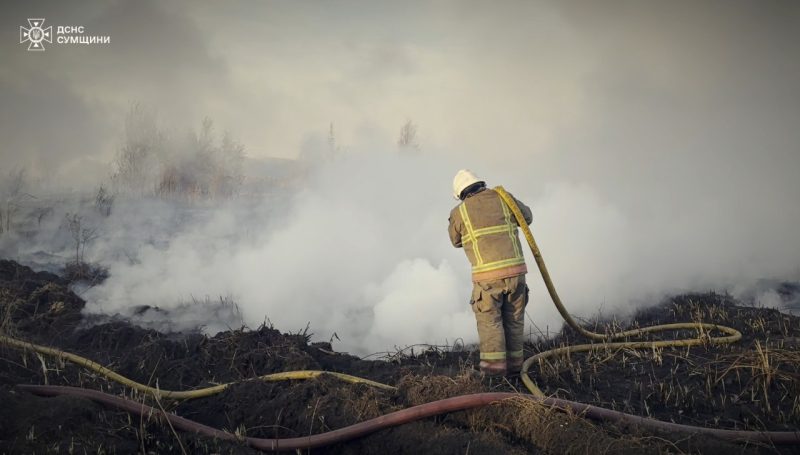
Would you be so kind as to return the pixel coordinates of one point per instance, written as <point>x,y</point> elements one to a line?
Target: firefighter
<point>487,230</point>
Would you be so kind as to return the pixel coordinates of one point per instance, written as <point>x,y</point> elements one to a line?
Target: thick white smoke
<point>361,252</point>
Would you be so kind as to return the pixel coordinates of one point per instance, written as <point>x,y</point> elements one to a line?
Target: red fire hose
<point>409,415</point>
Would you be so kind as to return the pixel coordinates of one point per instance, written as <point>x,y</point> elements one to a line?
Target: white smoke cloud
<point>362,252</point>
<point>418,300</point>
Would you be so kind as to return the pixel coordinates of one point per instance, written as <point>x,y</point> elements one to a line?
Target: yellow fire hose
<point>732,336</point>
<point>184,394</point>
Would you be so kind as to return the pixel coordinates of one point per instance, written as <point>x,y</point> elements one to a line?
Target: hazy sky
<point>483,80</point>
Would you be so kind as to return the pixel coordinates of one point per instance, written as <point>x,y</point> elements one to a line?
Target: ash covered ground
<point>753,384</point>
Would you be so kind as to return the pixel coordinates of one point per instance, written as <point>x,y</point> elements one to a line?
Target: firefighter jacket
<point>487,230</point>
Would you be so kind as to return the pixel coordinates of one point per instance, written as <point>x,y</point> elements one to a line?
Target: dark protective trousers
<point>499,307</point>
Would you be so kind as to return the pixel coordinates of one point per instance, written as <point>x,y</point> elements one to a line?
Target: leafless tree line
<point>149,163</point>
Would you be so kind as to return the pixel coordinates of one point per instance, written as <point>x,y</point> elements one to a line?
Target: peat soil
<point>753,384</point>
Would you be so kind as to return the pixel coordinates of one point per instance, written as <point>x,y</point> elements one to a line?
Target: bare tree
<point>137,160</point>
<point>408,137</point>
<point>202,159</point>
<point>230,174</point>
<point>331,140</point>
<point>11,191</point>
<point>81,235</point>
<point>103,201</point>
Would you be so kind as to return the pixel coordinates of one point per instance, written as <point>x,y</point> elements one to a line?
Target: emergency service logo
<point>36,35</point>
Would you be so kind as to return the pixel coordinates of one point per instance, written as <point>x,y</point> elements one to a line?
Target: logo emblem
<point>36,35</point>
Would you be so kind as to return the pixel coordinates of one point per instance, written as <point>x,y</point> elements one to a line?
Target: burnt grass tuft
<point>753,384</point>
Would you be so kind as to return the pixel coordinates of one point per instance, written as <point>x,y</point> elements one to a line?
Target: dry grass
<point>8,304</point>
<point>539,426</point>
<point>753,384</point>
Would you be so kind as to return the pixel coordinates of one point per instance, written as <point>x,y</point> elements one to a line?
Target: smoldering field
<point>657,146</point>
<point>354,246</point>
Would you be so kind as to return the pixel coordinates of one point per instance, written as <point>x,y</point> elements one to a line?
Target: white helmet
<point>462,180</point>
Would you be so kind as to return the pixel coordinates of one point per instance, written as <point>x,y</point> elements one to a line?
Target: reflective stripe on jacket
<point>487,230</point>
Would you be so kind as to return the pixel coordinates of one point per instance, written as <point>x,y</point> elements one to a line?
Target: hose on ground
<point>411,414</point>
<point>183,394</point>
<point>354,431</point>
<point>704,329</point>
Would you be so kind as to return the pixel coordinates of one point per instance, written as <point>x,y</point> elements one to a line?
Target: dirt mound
<point>749,385</point>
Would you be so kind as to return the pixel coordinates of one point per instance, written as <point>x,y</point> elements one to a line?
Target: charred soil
<point>753,385</point>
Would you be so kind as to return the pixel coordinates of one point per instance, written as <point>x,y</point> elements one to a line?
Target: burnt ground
<point>753,384</point>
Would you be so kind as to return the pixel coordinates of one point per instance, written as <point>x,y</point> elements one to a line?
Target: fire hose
<point>733,335</point>
<point>440,406</point>
<point>407,415</point>
<point>354,431</point>
<point>183,394</point>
